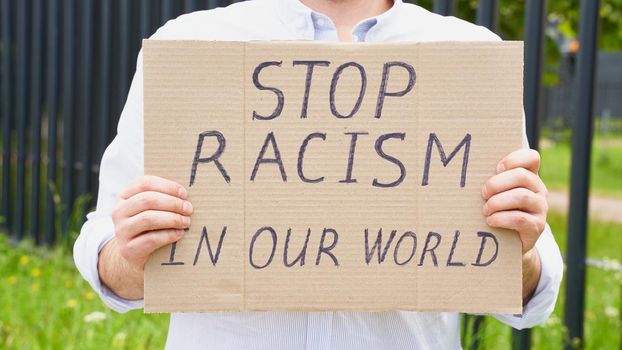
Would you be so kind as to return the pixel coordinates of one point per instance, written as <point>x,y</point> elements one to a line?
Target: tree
<point>564,13</point>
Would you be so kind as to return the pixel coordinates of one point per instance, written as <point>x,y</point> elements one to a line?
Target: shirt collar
<point>299,17</point>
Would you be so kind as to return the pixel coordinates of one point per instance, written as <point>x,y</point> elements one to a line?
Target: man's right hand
<point>151,213</point>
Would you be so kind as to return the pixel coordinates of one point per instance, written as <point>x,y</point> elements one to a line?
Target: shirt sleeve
<point>541,305</point>
<point>121,163</point>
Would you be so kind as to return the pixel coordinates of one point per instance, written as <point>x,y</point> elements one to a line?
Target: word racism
<point>270,142</point>
<point>401,247</point>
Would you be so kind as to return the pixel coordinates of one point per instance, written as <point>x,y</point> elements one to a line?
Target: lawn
<point>606,175</point>
<point>603,318</point>
<point>45,304</point>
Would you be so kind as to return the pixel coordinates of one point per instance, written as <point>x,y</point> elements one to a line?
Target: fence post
<point>444,7</point>
<point>105,75</point>
<point>21,110</point>
<point>487,14</point>
<point>534,33</point>
<point>579,178</point>
<point>52,94</point>
<point>168,10</point>
<point>36,101</point>
<point>145,18</point>
<point>123,58</point>
<point>191,5</point>
<point>487,17</point>
<point>69,46</point>
<point>6,20</point>
<point>86,60</point>
<point>211,4</point>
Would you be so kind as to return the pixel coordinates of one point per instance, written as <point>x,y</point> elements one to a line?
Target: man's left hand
<point>516,197</point>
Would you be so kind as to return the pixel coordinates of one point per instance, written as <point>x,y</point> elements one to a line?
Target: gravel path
<point>601,208</point>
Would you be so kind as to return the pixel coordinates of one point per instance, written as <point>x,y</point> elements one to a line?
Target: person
<point>137,214</point>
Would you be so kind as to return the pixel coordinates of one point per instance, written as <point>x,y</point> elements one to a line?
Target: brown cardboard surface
<point>462,92</point>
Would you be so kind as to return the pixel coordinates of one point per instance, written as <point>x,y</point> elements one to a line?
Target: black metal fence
<point>65,72</point>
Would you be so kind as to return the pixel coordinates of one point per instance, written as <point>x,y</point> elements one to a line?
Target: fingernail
<point>183,193</point>
<point>485,209</point>
<point>484,192</point>
<point>186,220</point>
<point>179,232</point>
<point>500,168</point>
<point>187,207</point>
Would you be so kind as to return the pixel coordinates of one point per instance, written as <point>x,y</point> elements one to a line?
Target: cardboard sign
<point>333,176</point>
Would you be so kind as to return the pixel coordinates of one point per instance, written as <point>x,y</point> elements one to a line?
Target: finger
<point>523,158</point>
<point>514,178</point>
<point>527,225</point>
<point>145,244</point>
<point>151,200</point>
<point>156,184</point>
<point>152,220</point>
<point>515,199</point>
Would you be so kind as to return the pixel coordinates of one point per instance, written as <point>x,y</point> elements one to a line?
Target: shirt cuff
<point>541,305</point>
<point>95,233</point>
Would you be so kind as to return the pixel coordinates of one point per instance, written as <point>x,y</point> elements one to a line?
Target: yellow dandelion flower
<point>12,280</point>
<point>71,303</point>
<point>36,272</point>
<point>24,260</point>
<point>69,284</point>
<point>89,295</point>
<point>35,287</point>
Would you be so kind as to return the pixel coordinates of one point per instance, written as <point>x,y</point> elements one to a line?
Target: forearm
<point>531,273</point>
<point>118,275</point>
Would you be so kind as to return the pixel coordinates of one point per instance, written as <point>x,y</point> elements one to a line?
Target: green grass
<point>603,307</point>
<point>606,174</point>
<point>45,304</point>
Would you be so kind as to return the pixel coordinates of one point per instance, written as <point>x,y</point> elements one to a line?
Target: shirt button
<point>321,22</point>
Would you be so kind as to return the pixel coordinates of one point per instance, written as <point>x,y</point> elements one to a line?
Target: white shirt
<point>123,161</point>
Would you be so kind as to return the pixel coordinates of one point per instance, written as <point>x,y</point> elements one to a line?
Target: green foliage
<point>512,16</point>
<point>511,21</point>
